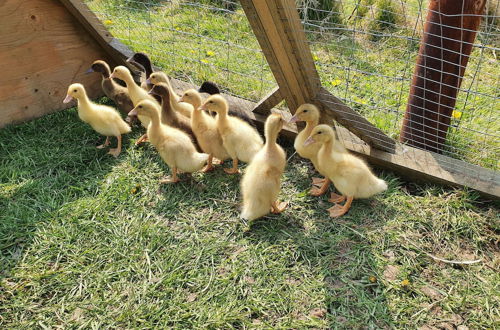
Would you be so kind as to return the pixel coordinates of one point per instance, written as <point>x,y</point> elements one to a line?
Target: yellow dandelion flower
<point>210,53</point>
<point>456,114</point>
<point>192,51</point>
<point>204,61</point>
<point>316,58</point>
<point>177,28</point>
<point>372,279</point>
<point>336,82</point>
<point>108,22</point>
<point>405,282</point>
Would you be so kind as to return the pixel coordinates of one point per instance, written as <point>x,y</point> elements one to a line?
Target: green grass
<point>87,240</point>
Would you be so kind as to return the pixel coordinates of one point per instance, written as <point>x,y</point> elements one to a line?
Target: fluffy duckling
<point>261,182</point>
<point>111,88</point>
<point>103,119</point>
<point>169,116</point>
<point>350,175</point>
<point>240,140</point>
<point>174,146</point>
<point>310,114</point>
<point>142,61</point>
<point>137,94</point>
<point>205,129</point>
<point>183,108</point>
<point>209,87</point>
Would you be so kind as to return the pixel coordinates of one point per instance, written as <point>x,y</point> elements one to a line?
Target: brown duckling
<point>142,61</point>
<point>111,88</point>
<point>169,116</point>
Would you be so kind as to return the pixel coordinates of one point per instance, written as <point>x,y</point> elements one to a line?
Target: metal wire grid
<point>368,63</point>
<point>193,41</point>
<point>368,68</point>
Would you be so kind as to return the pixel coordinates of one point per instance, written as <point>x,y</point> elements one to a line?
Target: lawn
<point>90,241</point>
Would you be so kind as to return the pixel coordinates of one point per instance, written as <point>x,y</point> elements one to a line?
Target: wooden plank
<point>265,44</point>
<point>271,100</point>
<point>420,165</point>
<point>42,51</point>
<point>335,109</point>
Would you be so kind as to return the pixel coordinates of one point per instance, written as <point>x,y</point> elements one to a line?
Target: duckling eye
<point>320,132</point>
<point>305,111</point>
<point>75,90</point>
<point>210,101</point>
<point>140,107</point>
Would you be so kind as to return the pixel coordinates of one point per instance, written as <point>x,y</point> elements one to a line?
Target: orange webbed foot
<point>169,179</point>
<point>318,181</point>
<point>231,171</point>
<point>337,211</point>
<point>115,152</point>
<point>278,207</point>
<point>336,198</point>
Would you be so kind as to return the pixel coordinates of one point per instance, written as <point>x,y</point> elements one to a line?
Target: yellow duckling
<point>240,140</point>
<point>310,114</point>
<point>183,108</point>
<point>174,146</point>
<point>261,182</point>
<point>103,119</point>
<point>137,94</point>
<point>349,174</point>
<point>204,128</point>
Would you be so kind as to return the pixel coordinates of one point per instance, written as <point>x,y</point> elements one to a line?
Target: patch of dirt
<point>391,272</point>
<point>431,293</point>
<point>318,313</point>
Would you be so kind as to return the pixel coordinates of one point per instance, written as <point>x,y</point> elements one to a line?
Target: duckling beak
<point>294,119</point>
<point>90,70</point>
<point>148,81</point>
<point>204,107</point>
<point>133,113</point>
<point>309,141</point>
<point>67,99</point>
<point>112,75</point>
<point>181,99</point>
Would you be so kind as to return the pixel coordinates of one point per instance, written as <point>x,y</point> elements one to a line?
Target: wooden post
<point>277,26</point>
<point>449,32</point>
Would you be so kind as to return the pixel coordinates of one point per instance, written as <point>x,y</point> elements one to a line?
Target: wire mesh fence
<point>365,52</point>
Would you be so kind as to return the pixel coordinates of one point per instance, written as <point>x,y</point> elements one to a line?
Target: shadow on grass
<point>40,173</point>
<point>336,248</point>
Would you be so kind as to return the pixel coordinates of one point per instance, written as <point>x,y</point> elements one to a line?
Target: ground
<point>87,240</point>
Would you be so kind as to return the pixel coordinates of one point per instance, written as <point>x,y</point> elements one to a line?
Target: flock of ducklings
<point>188,138</point>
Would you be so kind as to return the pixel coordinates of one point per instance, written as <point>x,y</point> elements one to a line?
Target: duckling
<point>240,140</point>
<point>310,114</point>
<point>142,61</point>
<point>136,93</point>
<point>204,127</point>
<point>211,88</point>
<point>183,108</point>
<point>261,182</point>
<point>111,88</point>
<point>174,146</point>
<point>169,116</point>
<point>349,174</point>
<point>103,119</point>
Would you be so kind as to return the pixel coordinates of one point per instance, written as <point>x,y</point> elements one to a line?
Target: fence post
<point>277,26</point>
<point>449,32</point>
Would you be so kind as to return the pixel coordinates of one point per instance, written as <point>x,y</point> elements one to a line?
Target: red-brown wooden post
<point>449,32</point>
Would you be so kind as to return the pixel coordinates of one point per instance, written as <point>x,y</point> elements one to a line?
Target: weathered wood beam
<point>269,101</point>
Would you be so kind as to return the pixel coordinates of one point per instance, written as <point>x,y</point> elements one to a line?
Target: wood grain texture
<point>269,101</point>
<point>42,51</point>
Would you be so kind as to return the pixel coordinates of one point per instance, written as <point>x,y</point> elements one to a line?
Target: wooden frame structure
<point>279,32</point>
